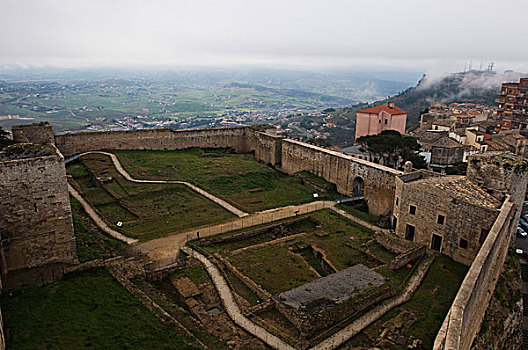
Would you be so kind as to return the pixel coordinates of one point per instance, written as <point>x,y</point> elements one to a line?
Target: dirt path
<point>166,248</point>
<point>97,219</point>
<point>196,189</point>
<point>232,308</point>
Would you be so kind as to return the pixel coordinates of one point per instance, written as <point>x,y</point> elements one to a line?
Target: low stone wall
<point>467,311</point>
<point>152,306</point>
<point>338,313</point>
<point>405,258</point>
<point>128,267</point>
<point>255,288</point>
<point>392,243</point>
<point>254,233</point>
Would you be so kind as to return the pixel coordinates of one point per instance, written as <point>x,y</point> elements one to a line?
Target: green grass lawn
<point>92,243</point>
<point>236,178</point>
<point>274,267</point>
<point>277,268</point>
<point>87,310</point>
<point>147,211</point>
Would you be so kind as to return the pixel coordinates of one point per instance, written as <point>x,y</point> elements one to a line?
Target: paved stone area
<point>334,288</point>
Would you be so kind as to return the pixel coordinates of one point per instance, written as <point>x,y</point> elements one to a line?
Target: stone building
<point>36,228</point>
<point>453,214</point>
<point>513,105</point>
<point>449,214</point>
<point>446,152</point>
<point>374,120</point>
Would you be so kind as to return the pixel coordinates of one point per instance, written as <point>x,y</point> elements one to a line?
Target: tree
<point>391,146</point>
<point>4,140</point>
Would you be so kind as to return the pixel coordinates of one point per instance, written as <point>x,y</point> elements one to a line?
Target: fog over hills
<point>474,86</point>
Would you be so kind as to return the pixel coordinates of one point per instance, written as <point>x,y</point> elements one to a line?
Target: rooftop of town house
<point>447,142</point>
<point>377,109</point>
<point>445,122</point>
<point>429,136</point>
<point>460,131</point>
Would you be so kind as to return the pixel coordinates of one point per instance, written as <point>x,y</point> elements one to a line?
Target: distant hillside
<point>296,93</point>
<point>475,87</point>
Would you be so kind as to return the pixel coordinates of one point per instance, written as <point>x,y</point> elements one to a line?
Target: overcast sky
<point>421,34</point>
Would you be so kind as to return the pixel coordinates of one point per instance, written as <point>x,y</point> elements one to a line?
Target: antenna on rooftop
<point>490,66</point>
<point>469,69</point>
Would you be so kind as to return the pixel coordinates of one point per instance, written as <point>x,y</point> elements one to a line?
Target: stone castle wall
<point>501,173</point>
<point>36,223</point>
<point>268,148</point>
<point>467,311</point>
<point>342,170</point>
<point>37,133</point>
<point>153,139</point>
<point>288,155</point>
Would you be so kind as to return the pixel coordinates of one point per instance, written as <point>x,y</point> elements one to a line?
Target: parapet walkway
<point>196,189</point>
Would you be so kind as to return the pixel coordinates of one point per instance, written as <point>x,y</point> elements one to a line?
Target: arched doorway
<point>358,187</point>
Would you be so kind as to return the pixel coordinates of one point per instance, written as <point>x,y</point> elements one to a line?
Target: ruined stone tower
<point>36,229</point>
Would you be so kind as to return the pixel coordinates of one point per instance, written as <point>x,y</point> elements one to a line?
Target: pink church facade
<point>374,120</point>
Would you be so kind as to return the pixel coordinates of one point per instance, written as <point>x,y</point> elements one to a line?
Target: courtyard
<point>300,275</point>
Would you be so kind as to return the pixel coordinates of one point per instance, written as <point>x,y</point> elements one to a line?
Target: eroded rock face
<point>502,324</point>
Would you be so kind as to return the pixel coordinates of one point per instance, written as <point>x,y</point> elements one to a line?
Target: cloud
<point>296,32</point>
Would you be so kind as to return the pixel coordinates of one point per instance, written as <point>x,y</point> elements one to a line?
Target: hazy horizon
<point>383,34</point>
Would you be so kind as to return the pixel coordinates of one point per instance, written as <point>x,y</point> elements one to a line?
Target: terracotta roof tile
<point>378,109</point>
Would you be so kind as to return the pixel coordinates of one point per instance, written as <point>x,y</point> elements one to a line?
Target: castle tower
<point>36,229</point>
<point>37,133</point>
